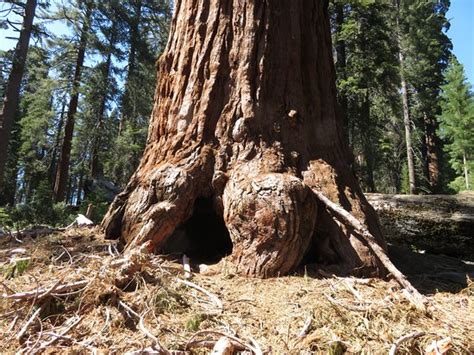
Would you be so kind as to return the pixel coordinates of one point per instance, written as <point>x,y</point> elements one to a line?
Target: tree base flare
<point>245,116</point>
<point>272,220</point>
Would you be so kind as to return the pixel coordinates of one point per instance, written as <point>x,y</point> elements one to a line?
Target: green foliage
<point>116,98</point>
<point>367,80</point>
<point>21,266</point>
<point>15,269</point>
<point>459,183</point>
<point>456,123</point>
<point>6,221</point>
<point>194,322</point>
<point>40,210</point>
<point>166,300</point>
<point>368,38</point>
<point>127,151</point>
<point>100,205</point>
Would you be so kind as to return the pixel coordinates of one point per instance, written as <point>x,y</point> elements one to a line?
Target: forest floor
<point>76,306</point>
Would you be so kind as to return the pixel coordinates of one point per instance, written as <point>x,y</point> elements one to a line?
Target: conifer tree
<point>457,121</point>
<point>427,50</point>
<point>367,73</point>
<point>61,181</point>
<point>147,22</point>
<point>37,114</point>
<point>12,90</point>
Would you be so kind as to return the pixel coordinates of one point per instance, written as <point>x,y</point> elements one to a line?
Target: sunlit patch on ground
<point>75,303</point>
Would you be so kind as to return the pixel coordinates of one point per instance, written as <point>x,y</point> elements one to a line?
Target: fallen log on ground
<point>435,224</point>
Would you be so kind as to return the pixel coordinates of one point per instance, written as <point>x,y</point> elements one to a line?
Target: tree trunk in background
<point>57,142</point>
<point>407,124</point>
<point>368,150</point>
<point>432,153</point>
<point>245,116</point>
<point>466,170</point>
<point>62,173</point>
<point>96,164</point>
<point>127,103</point>
<point>341,63</point>
<point>406,111</point>
<point>12,92</point>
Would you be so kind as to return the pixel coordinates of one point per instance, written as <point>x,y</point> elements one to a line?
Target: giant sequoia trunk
<point>243,134</point>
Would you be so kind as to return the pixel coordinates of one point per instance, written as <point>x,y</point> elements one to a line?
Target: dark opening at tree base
<point>204,237</point>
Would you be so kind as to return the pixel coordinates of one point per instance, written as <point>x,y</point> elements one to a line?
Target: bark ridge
<point>245,114</point>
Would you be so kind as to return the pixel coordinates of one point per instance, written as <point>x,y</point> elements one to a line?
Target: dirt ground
<point>80,304</point>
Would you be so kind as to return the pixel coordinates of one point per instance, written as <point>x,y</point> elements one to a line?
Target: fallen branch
<point>48,291</point>
<point>35,232</point>
<point>212,296</point>
<point>42,292</point>
<point>143,329</point>
<point>231,337</point>
<point>209,344</point>
<point>55,337</point>
<point>394,347</point>
<point>416,298</point>
<point>30,320</point>
<point>223,347</point>
<point>307,325</point>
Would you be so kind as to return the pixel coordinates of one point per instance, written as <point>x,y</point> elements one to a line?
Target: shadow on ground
<point>431,273</point>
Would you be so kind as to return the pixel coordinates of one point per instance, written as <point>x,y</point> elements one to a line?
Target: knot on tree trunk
<point>271,220</point>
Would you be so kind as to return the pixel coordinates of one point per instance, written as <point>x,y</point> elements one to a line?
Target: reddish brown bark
<point>432,153</point>
<point>245,115</point>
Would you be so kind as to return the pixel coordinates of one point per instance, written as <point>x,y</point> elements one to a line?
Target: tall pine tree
<point>457,122</point>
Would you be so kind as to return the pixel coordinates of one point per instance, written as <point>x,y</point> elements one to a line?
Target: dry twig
<point>307,325</point>
<point>212,296</point>
<point>23,330</point>
<point>354,308</point>
<point>237,340</point>
<point>55,337</point>
<point>42,292</point>
<point>144,330</point>
<point>416,298</point>
<point>394,347</point>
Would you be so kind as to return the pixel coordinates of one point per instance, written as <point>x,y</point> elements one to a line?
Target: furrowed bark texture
<point>245,114</point>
